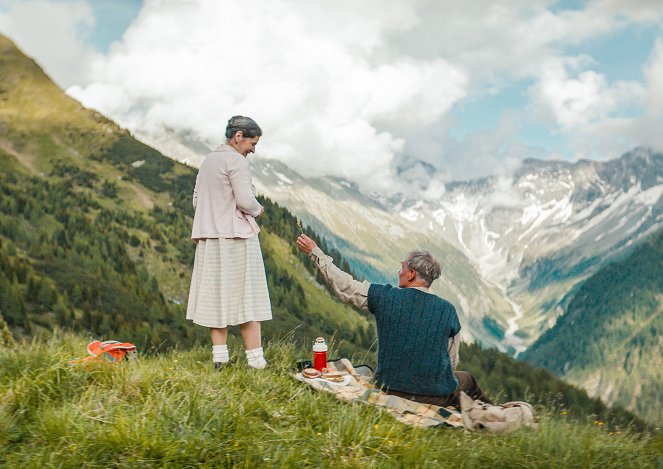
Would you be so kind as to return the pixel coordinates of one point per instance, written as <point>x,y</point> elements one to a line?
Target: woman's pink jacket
<point>224,197</point>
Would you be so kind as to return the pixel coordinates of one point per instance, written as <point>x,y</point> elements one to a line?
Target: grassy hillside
<point>172,410</point>
<point>95,226</point>
<point>609,341</point>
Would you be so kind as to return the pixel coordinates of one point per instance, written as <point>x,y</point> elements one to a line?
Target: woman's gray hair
<point>246,125</point>
<point>424,264</point>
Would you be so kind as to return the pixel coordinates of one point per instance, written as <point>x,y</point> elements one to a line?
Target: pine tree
<point>6,337</point>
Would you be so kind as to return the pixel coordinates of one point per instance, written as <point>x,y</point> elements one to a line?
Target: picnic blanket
<point>358,386</point>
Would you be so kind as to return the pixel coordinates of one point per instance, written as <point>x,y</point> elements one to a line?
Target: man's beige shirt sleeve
<point>346,288</point>
<point>453,348</point>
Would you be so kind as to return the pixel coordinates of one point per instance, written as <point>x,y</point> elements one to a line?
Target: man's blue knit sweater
<point>413,328</point>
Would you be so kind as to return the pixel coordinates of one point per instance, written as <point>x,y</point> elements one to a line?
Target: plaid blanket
<point>357,387</point>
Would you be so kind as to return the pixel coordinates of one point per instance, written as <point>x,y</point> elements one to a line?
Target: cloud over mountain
<point>314,82</point>
<point>349,88</point>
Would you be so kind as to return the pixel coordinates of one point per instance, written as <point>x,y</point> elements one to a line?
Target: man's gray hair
<point>424,264</point>
<point>243,124</point>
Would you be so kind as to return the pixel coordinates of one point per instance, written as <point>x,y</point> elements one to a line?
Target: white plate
<point>346,380</point>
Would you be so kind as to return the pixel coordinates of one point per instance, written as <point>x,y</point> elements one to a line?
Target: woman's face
<point>244,145</point>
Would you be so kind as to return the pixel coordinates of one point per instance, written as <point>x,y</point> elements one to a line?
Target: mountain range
<point>513,246</point>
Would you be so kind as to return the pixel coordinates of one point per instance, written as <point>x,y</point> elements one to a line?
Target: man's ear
<point>412,275</point>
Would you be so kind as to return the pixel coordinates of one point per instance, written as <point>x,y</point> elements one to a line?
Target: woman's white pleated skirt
<point>228,284</point>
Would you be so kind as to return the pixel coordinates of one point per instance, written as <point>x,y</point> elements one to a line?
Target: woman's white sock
<point>255,358</point>
<point>220,354</point>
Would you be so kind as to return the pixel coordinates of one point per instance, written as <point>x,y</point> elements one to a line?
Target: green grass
<point>174,410</point>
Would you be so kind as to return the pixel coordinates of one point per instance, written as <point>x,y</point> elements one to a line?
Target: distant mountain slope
<point>524,240</point>
<point>610,340</point>
<point>95,226</point>
<point>514,245</point>
<point>374,240</point>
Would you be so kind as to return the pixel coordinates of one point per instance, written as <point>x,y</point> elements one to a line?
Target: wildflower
<point>564,412</point>
<point>319,434</point>
<point>175,360</point>
<point>375,426</point>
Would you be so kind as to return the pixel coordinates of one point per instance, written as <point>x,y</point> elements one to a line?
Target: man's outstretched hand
<point>306,244</point>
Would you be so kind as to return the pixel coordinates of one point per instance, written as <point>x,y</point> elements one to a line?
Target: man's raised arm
<point>346,288</point>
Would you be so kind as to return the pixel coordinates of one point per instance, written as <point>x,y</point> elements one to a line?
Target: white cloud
<point>500,42</point>
<point>614,134</point>
<point>318,90</point>
<point>345,87</point>
<point>654,76</point>
<point>612,137</point>
<point>512,38</point>
<point>489,38</point>
<point>596,115</point>
<point>496,151</point>
<point>574,101</point>
<point>640,11</point>
<point>50,31</point>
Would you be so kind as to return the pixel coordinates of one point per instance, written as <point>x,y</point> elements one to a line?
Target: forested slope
<point>612,331</point>
<point>95,229</point>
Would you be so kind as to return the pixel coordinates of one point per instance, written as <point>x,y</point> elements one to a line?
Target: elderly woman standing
<point>228,284</point>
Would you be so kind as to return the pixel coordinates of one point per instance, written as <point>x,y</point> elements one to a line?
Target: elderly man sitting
<point>417,330</point>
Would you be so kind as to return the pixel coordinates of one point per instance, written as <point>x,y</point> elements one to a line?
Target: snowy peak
<point>503,224</point>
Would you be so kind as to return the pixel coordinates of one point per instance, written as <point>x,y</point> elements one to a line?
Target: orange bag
<point>110,350</point>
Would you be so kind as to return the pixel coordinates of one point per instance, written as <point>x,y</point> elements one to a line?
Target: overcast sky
<point>351,88</point>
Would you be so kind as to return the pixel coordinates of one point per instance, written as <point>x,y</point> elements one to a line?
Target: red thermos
<point>319,354</point>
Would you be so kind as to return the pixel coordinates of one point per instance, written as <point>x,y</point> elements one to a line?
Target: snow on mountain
<point>547,227</point>
<point>543,212</point>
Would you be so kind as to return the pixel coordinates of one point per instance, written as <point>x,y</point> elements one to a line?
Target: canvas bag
<point>499,419</point>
